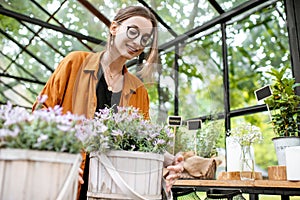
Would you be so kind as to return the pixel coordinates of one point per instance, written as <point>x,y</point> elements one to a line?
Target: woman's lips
<point>131,49</point>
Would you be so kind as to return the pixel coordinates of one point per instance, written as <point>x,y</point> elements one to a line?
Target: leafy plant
<point>207,138</point>
<point>124,130</point>
<point>284,103</point>
<point>45,129</point>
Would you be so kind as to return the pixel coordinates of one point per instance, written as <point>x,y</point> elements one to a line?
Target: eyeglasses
<point>133,32</point>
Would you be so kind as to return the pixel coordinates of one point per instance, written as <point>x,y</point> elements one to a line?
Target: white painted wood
<point>29,174</point>
<point>142,172</point>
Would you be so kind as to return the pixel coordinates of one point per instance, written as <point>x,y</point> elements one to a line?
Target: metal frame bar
<point>159,18</point>
<point>217,6</point>
<point>93,10</point>
<point>27,51</point>
<point>293,24</point>
<point>38,22</point>
<point>218,20</point>
<point>51,16</point>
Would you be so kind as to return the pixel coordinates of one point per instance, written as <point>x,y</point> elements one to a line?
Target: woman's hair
<point>141,11</point>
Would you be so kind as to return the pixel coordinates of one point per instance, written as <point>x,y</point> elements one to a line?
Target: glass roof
<point>36,34</point>
<point>226,5</point>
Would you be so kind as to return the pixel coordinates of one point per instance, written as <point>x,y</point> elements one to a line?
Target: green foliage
<point>284,104</point>
<point>182,140</point>
<point>208,138</point>
<point>265,45</point>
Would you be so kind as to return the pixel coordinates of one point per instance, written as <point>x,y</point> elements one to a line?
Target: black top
<point>106,98</point>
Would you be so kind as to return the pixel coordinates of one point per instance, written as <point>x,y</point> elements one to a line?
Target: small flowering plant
<point>42,129</point>
<point>125,129</point>
<point>246,134</point>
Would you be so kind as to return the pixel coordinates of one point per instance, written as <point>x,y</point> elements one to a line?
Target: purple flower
<point>159,141</point>
<point>117,133</point>
<point>42,99</point>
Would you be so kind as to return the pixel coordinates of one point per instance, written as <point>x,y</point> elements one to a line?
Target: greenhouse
<point>222,65</point>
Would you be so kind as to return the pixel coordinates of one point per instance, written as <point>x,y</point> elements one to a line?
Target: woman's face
<point>131,36</point>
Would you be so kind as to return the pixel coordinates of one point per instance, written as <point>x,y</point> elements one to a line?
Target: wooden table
<point>253,188</point>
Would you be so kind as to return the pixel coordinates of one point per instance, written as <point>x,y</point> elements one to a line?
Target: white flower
<point>246,134</point>
<point>42,138</point>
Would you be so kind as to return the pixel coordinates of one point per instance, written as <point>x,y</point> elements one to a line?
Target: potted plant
<point>207,138</point>
<point>284,110</point>
<point>40,150</point>
<point>125,151</point>
<point>200,149</point>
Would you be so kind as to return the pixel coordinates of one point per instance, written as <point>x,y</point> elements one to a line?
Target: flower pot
<point>125,175</point>
<point>292,163</point>
<point>42,175</point>
<point>280,144</point>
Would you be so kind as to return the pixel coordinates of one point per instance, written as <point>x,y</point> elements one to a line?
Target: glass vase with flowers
<point>245,135</point>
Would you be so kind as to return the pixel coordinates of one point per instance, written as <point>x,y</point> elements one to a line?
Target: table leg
<point>253,197</point>
<point>285,197</point>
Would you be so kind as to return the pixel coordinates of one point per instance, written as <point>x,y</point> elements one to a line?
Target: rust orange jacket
<point>73,86</point>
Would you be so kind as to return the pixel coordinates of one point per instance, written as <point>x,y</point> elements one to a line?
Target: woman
<point>85,82</point>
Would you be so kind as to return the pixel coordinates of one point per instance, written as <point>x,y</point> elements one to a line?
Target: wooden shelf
<point>253,188</point>
<point>238,183</point>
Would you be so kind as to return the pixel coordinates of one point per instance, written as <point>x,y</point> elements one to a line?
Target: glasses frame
<point>150,40</point>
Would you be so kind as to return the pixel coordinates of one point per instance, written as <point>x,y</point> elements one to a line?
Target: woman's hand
<point>80,179</point>
<point>175,171</point>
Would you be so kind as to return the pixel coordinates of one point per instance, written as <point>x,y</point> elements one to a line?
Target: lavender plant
<point>124,130</point>
<point>43,129</point>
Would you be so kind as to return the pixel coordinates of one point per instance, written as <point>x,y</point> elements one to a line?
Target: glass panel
<point>201,86</point>
<point>16,92</point>
<point>200,79</point>
<point>30,8</point>
<point>229,4</point>
<point>182,16</point>
<point>255,44</point>
<point>76,17</point>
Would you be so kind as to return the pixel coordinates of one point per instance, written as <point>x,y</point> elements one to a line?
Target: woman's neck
<point>112,67</point>
<point>114,63</point>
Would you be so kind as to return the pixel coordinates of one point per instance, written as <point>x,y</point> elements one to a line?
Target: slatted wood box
<point>42,175</point>
<point>125,175</point>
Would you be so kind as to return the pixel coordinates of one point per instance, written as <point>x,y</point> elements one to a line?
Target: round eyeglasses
<point>133,32</point>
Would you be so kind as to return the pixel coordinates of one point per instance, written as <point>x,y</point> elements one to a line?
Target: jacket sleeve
<point>57,83</point>
<point>146,104</point>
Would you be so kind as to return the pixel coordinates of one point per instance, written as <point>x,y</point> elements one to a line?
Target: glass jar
<point>246,164</point>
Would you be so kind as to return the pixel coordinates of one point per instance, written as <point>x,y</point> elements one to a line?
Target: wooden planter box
<point>125,175</point>
<point>42,175</point>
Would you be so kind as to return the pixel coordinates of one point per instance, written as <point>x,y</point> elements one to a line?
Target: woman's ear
<point>113,27</point>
